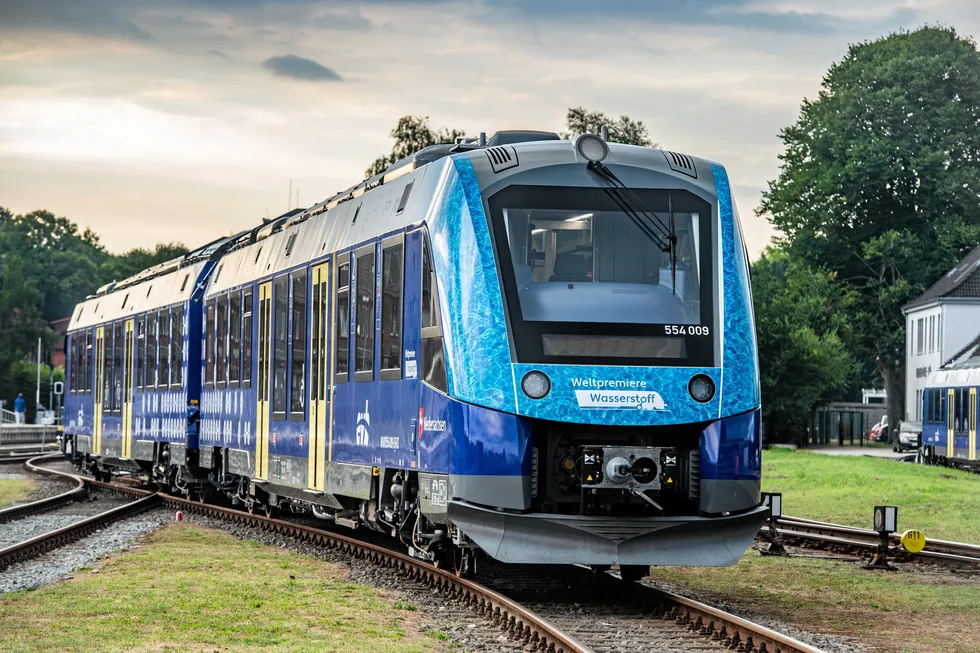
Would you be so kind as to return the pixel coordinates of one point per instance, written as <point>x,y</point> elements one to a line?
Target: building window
<point>297,373</point>
<point>364,318</point>
<point>177,347</point>
<point>221,342</point>
<point>163,350</point>
<point>919,338</point>
<point>234,339</point>
<point>343,319</point>
<point>209,346</point>
<point>391,311</point>
<point>247,339</point>
<point>280,331</point>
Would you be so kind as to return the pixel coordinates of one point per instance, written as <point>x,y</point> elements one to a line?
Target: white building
<point>938,325</point>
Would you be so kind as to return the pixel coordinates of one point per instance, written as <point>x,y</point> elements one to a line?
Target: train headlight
<point>701,387</point>
<point>536,385</point>
<point>592,148</point>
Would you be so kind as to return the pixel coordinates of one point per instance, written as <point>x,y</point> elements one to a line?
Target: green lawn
<point>13,490</point>
<point>942,503</point>
<point>894,611</point>
<point>194,589</point>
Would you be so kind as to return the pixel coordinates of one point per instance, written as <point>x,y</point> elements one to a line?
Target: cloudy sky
<point>163,120</point>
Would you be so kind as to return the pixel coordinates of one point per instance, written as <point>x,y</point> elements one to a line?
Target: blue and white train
<point>949,424</point>
<point>541,349</point>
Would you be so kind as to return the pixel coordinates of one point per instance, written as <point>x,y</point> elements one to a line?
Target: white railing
<point>8,416</point>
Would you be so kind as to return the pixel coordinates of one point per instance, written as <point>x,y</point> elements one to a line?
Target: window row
<point>228,341</point>
<point>963,412</point>
<point>80,365</point>
<point>925,336</point>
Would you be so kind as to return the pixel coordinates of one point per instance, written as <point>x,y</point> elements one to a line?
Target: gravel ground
<point>457,621</point>
<point>45,522</point>
<point>62,562</point>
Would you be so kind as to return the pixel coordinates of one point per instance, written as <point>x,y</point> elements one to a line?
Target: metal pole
<point>37,397</point>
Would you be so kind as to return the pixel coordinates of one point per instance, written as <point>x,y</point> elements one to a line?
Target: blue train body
<point>949,425</point>
<point>491,348</point>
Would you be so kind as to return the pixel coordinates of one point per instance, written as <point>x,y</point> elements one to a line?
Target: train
<point>949,417</point>
<point>535,349</point>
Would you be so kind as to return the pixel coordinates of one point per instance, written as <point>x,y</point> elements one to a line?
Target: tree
<point>621,130</point>
<point>136,260</point>
<point>411,134</point>
<point>880,180</point>
<point>802,329</point>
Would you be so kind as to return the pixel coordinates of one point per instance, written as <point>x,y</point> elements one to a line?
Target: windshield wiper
<point>663,235</point>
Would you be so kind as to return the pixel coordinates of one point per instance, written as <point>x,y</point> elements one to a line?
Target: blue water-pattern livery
<point>731,448</point>
<point>740,376</point>
<point>477,351</point>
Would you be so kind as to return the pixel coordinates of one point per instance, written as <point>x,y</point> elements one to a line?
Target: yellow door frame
<point>973,424</point>
<point>265,369</point>
<point>316,478</point>
<point>950,421</point>
<point>99,390</point>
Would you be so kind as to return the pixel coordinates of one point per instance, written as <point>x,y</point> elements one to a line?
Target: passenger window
<point>391,311</point>
<point>364,324</point>
<point>151,351</point>
<point>343,320</point>
<point>89,337</point>
<point>433,356</point>
<point>297,380</point>
<point>177,347</point>
<point>234,339</point>
<point>280,332</point>
<point>140,351</point>
<point>247,339</point>
<point>209,346</point>
<point>163,350</point>
<point>117,371</point>
<point>221,342</point>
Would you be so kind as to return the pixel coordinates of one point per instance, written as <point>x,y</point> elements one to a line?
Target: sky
<point>183,120</point>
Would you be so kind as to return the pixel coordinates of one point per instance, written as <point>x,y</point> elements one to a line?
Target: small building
<point>939,324</point>
<point>58,355</point>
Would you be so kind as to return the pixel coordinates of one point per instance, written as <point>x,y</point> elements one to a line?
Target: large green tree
<point>621,130</point>
<point>880,180</point>
<point>803,328</point>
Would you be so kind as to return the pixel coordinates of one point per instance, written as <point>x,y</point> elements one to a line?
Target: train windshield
<point>584,280</point>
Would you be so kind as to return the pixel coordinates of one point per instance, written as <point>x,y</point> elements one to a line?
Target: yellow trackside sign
<point>913,541</point>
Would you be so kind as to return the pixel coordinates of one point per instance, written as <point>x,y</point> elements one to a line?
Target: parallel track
<point>847,538</point>
<point>520,623</point>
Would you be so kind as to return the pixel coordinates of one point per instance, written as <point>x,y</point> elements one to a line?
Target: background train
<point>540,349</point>
<point>949,423</point>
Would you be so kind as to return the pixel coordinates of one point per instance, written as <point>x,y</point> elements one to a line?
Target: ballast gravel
<point>63,561</point>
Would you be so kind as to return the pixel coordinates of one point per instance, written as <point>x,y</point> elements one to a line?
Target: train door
<point>319,376</point>
<point>961,432</point>
<point>99,390</point>
<point>973,425</point>
<point>950,420</point>
<point>127,379</point>
<point>264,373</point>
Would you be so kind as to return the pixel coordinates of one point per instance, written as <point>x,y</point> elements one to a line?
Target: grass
<point>194,589</point>
<point>942,503</point>
<point>894,611</point>
<point>13,490</point>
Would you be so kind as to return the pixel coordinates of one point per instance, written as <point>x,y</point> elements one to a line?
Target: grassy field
<point>893,611</point>
<point>194,589</point>
<point>942,503</point>
<point>13,490</point>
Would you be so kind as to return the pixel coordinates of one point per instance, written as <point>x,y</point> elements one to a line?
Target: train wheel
<point>464,562</point>
<point>633,573</point>
<point>272,511</point>
<point>251,506</point>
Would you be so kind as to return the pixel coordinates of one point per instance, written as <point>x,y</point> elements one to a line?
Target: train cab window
<point>280,334</point>
<point>343,318</point>
<point>392,273</point>
<point>234,339</point>
<point>209,346</point>
<point>433,357</point>
<point>177,347</point>
<point>117,368</point>
<point>140,351</point>
<point>364,324</point>
<point>297,370</point>
<point>163,349</point>
<point>221,342</point>
<point>247,339</point>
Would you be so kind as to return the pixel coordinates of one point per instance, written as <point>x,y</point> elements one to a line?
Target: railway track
<point>613,607</point>
<point>837,537</point>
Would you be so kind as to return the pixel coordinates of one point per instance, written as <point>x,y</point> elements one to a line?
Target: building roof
<point>963,282</point>
<point>967,357</point>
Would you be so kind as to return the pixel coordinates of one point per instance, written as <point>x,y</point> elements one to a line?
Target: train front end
<point>597,295</point>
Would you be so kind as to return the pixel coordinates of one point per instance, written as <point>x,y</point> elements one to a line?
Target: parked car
<point>908,436</point>
<point>879,432</point>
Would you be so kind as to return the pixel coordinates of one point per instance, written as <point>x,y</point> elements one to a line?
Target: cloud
<point>296,67</point>
<point>100,18</point>
<point>218,53</point>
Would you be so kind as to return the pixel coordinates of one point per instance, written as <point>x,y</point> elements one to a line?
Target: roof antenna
<point>289,198</point>
<point>483,139</point>
<point>604,133</point>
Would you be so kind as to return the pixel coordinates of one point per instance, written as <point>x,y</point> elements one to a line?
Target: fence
<point>844,423</point>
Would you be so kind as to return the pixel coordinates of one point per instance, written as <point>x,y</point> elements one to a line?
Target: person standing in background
<point>20,408</point>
